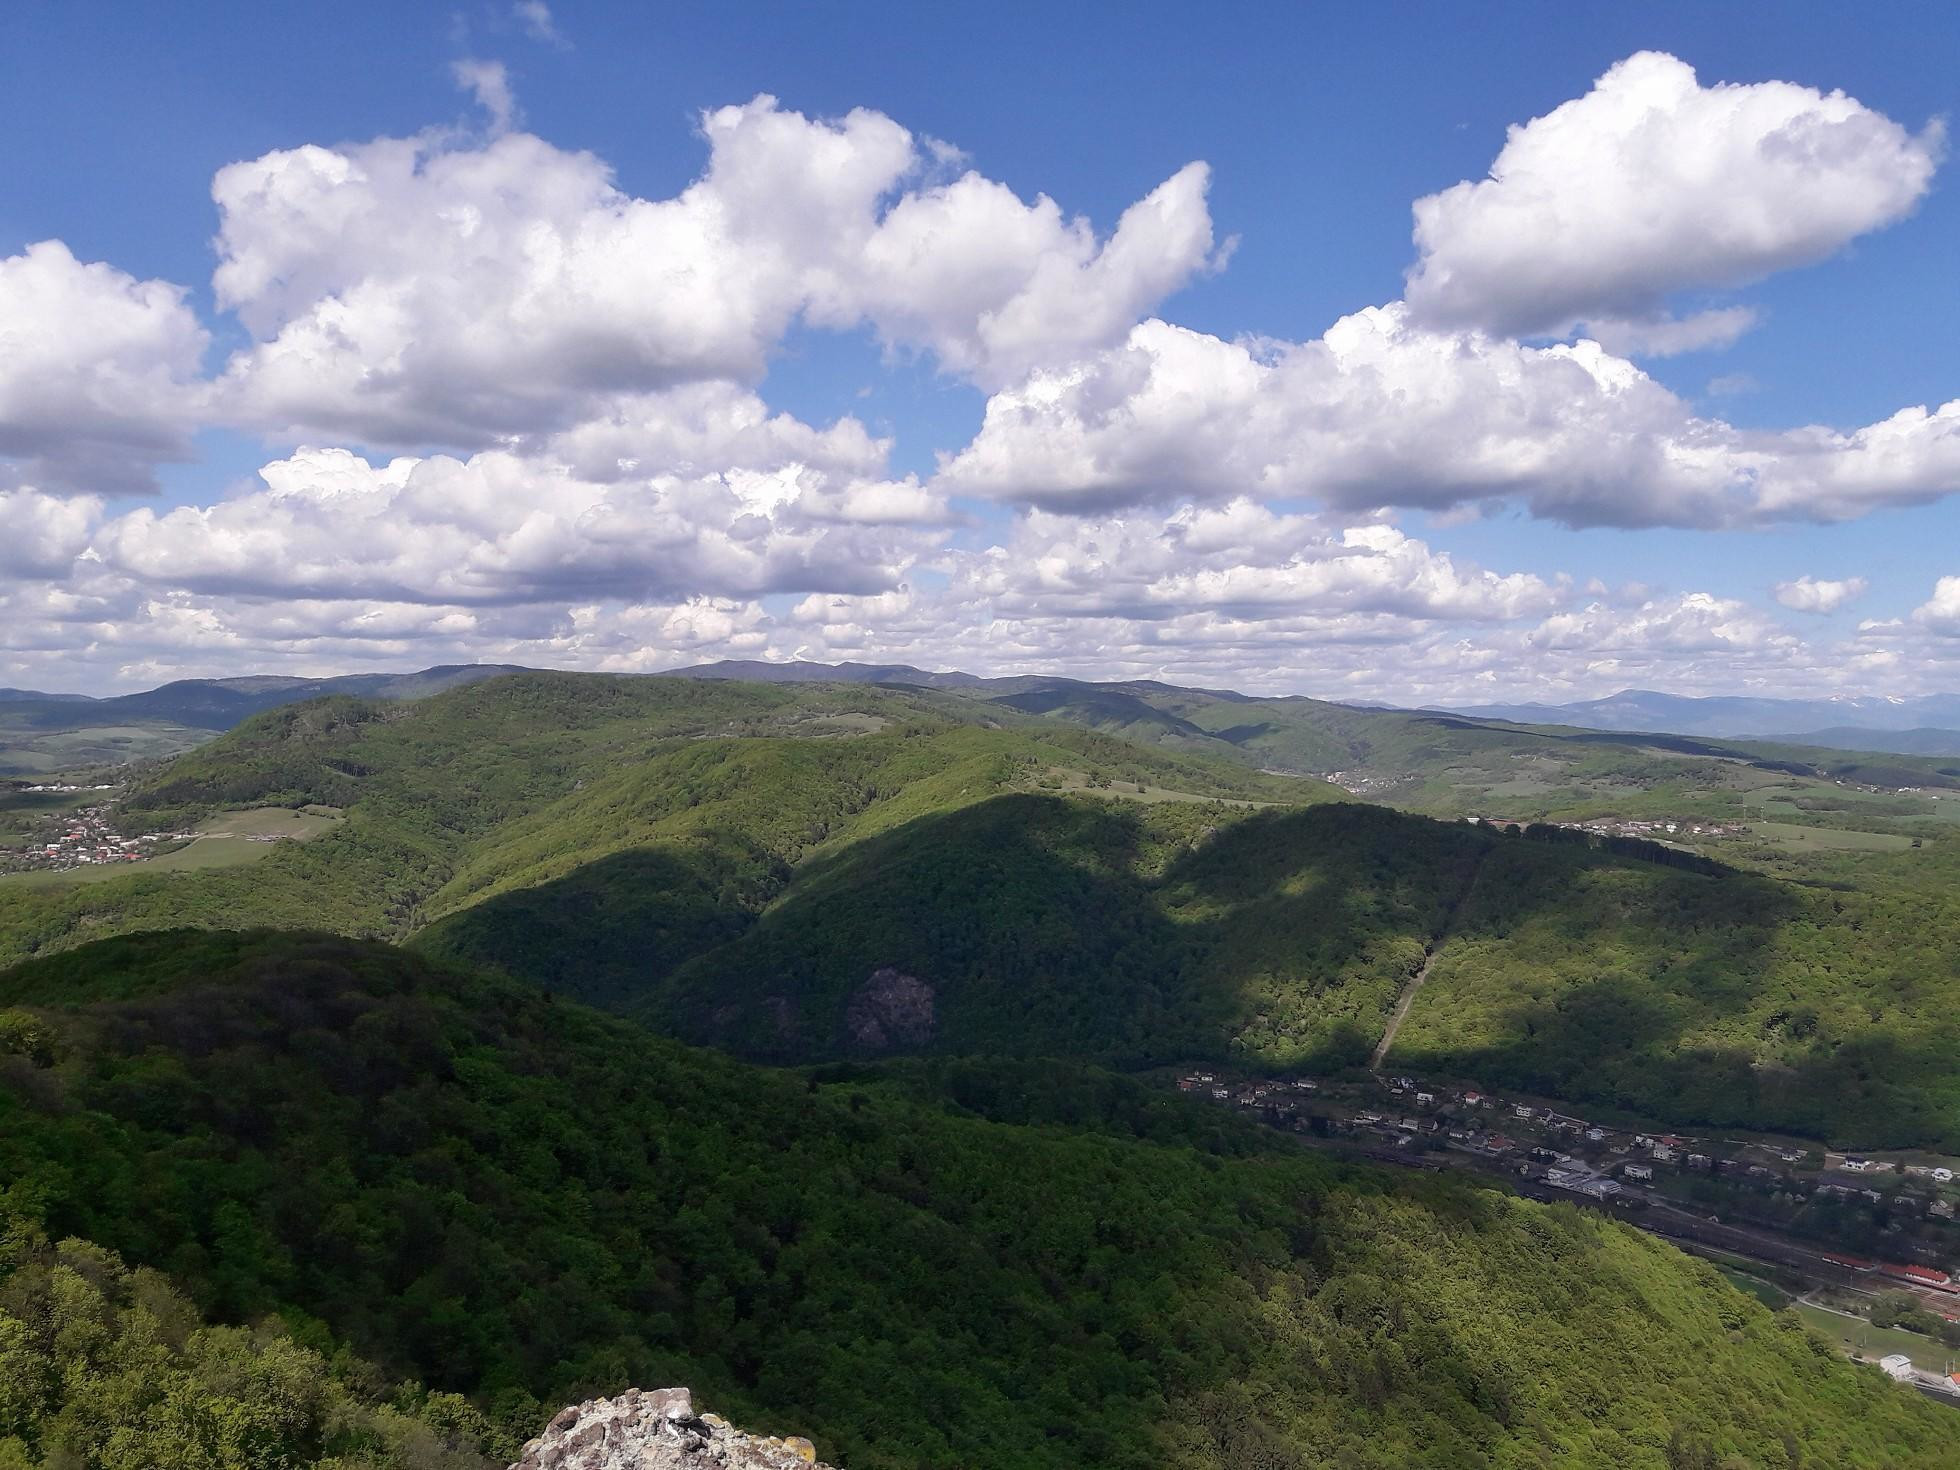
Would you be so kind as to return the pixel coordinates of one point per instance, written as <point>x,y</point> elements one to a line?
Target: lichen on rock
<point>657,1430</point>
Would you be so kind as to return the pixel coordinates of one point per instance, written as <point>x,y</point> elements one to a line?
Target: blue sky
<point>1320,126</point>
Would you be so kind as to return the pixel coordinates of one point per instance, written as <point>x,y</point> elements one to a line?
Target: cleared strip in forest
<point>1408,996</point>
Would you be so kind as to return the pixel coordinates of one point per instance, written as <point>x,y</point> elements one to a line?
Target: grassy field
<point>1769,1294</point>
<point>192,857</point>
<point>1830,839</point>
<point>1077,783</point>
<point>1856,1338</point>
<point>270,821</point>
<point>843,724</point>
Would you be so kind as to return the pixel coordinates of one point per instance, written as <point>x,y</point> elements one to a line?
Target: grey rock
<point>890,1009</point>
<point>657,1430</point>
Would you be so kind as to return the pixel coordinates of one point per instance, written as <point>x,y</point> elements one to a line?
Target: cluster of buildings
<point>78,839</point>
<point>1658,829</point>
<point>1541,1144</point>
<point>1360,783</point>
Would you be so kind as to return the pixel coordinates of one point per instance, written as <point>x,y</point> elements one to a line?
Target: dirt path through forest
<point>1408,996</point>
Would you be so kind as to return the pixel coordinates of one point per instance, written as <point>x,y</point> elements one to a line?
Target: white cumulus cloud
<point>1652,184</point>
<point>1383,412</point>
<point>539,23</point>
<point>99,372</point>
<point>41,535</point>
<point>1240,559</point>
<point>565,455</point>
<point>1815,594</point>
<point>489,83</point>
<point>419,291</point>
<point>1940,613</point>
<point>501,529</point>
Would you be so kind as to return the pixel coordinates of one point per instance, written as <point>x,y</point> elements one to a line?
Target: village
<point>1842,1230</point>
<point>84,837</point>
<point>1658,830</point>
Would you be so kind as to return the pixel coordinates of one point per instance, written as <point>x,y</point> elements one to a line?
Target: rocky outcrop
<point>657,1431</point>
<point>890,1009</point>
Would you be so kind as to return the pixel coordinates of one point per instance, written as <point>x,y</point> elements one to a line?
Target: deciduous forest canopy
<point>463,1181</point>
<point>733,862</point>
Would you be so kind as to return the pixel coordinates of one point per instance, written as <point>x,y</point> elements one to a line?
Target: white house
<point>1896,1365</point>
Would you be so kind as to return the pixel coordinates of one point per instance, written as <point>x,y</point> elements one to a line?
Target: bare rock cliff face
<point>657,1431</point>
<point>890,1009</point>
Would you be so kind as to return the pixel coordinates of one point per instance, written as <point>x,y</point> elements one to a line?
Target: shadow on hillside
<point>614,929</point>
<point>1032,925</point>
<point>1023,918</point>
<point>1596,994</point>
<point>1283,937</point>
<point>1611,1043</point>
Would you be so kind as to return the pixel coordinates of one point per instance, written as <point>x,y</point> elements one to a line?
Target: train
<point>1921,1276</point>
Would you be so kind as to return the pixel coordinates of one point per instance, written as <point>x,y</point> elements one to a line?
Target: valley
<point>1794,1219</point>
<point>925,906</point>
<point>892,737</point>
<point>732,862</point>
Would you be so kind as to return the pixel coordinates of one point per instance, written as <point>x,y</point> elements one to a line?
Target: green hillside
<point>1824,1009</point>
<point>41,733</point>
<point>516,782</point>
<point>807,872</point>
<point>1038,925</point>
<point>105,1365</point>
<point>1454,765</point>
<point>1281,939</point>
<point>990,1265</point>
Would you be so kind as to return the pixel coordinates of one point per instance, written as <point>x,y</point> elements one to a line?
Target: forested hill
<point>709,794</point>
<point>820,871</point>
<point>42,734</point>
<point>1001,1266</point>
<point>1427,760</point>
<point>220,704</point>
<point>1282,938</point>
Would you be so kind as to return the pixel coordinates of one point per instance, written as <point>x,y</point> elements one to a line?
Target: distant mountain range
<point>1924,741</point>
<point>798,671</point>
<point>219,704</point>
<point>30,696</point>
<point>1927,725</point>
